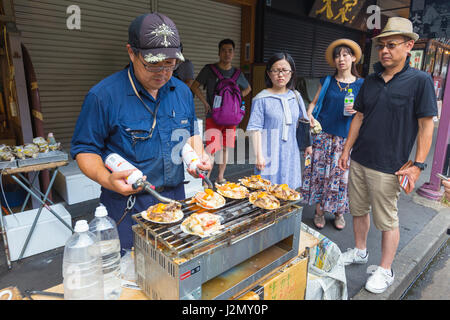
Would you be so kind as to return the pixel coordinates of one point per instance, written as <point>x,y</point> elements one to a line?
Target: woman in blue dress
<point>273,120</point>
<point>325,185</point>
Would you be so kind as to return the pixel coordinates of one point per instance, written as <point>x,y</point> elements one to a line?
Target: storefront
<point>69,58</point>
<point>305,38</point>
<point>304,30</point>
<point>432,57</point>
<point>431,53</point>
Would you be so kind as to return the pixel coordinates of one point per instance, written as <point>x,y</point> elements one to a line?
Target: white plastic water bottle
<point>115,162</point>
<point>190,157</point>
<point>82,265</point>
<point>106,231</point>
<point>348,101</point>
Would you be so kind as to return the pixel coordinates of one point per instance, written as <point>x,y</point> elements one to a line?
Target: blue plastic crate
<point>14,198</point>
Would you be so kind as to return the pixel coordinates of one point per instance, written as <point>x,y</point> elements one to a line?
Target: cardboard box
<point>48,234</point>
<point>288,283</point>
<point>74,186</point>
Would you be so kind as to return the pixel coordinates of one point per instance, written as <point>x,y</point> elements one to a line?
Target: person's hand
<point>412,173</point>
<point>117,181</point>
<point>343,161</point>
<point>204,165</point>
<point>308,151</point>
<point>349,109</point>
<point>446,184</point>
<point>312,121</point>
<point>207,108</point>
<point>260,163</point>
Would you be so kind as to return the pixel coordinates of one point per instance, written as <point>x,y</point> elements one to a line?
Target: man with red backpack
<point>225,87</point>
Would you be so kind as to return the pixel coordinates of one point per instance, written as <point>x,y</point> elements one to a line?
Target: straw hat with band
<point>398,26</point>
<point>346,42</point>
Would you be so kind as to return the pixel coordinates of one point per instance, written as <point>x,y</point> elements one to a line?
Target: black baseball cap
<point>156,37</point>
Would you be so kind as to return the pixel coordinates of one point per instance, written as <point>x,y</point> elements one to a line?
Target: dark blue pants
<point>116,204</point>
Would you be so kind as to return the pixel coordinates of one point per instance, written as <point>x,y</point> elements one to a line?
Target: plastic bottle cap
<point>101,211</point>
<point>81,226</point>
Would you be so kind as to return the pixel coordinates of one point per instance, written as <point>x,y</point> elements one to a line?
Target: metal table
<point>17,174</point>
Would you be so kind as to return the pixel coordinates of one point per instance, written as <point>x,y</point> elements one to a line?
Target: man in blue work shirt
<point>138,113</point>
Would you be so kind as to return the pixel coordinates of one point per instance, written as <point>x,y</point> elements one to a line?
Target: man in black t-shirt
<point>395,105</point>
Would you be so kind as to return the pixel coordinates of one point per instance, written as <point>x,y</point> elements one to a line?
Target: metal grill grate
<point>240,217</point>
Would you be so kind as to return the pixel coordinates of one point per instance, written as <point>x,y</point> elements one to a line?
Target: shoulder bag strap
<point>303,119</point>
<point>323,91</point>
<point>236,75</point>
<point>216,71</point>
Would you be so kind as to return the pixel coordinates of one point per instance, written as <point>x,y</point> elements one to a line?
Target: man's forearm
<point>92,166</point>
<point>424,138</point>
<point>196,144</point>
<point>246,91</point>
<point>195,87</point>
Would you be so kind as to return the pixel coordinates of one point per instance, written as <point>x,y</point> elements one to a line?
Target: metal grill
<point>240,218</point>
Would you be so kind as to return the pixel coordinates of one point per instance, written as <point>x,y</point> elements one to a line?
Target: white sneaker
<point>351,256</point>
<point>379,281</point>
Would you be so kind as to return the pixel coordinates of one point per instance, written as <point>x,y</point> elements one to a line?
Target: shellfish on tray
<point>209,199</point>
<point>201,224</point>
<point>163,213</point>
<point>232,190</point>
<point>255,182</point>
<point>283,192</point>
<point>263,199</point>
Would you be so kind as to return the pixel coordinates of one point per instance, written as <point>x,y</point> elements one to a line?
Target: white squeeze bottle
<point>106,231</point>
<point>348,101</point>
<point>190,157</point>
<point>115,162</point>
<point>82,265</point>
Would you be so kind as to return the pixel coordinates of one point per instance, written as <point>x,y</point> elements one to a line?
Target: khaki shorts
<point>370,188</point>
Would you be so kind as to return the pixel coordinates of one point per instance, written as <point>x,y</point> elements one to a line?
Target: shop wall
<point>202,24</point>
<point>69,62</point>
<point>305,39</point>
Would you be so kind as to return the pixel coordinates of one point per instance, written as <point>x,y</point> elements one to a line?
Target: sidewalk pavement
<point>423,228</point>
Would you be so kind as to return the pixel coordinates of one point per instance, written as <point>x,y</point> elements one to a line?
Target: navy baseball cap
<point>156,37</point>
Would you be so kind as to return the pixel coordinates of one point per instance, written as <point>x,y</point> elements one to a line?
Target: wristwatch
<point>422,166</point>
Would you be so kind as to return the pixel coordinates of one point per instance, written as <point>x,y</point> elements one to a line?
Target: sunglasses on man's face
<point>156,69</point>
<point>390,45</point>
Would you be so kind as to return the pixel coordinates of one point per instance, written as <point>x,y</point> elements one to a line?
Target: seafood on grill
<point>209,199</point>
<point>255,182</point>
<point>232,190</point>
<point>201,224</point>
<point>163,213</point>
<point>283,192</point>
<point>264,199</point>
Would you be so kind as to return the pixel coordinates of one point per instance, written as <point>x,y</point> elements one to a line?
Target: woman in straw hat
<point>325,184</point>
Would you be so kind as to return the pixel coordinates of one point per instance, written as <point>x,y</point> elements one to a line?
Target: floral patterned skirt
<point>323,181</point>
